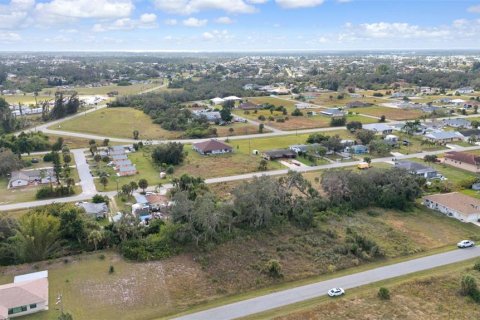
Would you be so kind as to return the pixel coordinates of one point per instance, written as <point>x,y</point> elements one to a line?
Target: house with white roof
<point>378,128</point>
<point>443,137</point>
<point>217,101</point>
<point>26,295</point>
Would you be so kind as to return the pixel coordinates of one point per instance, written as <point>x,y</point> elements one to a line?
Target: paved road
<point>91,190</point>
<point>303,293</point>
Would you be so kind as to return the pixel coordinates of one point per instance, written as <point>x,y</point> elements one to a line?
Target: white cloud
<point>171,22</point>
<point>224,20</point>
<point>257,1</point>
<point>187,7</point>
<point>344,1</point>
<point>9,37</point>
<point>401,30</point>
<point>14,14</point>
<point>102,9</point>
<point>146,21</point>
<point>292,4</point>
<point>194,22</point>
<point>474,9</point>
<point>217,35</point>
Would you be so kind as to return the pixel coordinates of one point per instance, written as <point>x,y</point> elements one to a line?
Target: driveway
<point>307,292</point>
<point>86,179</point>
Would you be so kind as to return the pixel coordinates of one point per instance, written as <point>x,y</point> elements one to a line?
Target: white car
<point>466,244</point>
<point>336,292</point>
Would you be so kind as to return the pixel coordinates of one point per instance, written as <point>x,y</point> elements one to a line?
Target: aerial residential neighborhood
<point>239,159</point>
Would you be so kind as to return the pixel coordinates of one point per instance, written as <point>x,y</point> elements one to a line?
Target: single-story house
<point>458,102</point>
<point>122,163</point>
<point>457,123</point>
<point>31,177</point>
<point>279,154</point>
<point>456,205</point>
<point>212,146</point>
<point>27,294</point>
<point>417,169</point>
<point>378,128</point>
<point>127,171</point>
<point>357,149</point>
<point>357,104</point>
<point>302,105</point>
<point>232,98</point>
<point>465,90</point>
<point>157,201</point>
<point>303,148</point>
<point>444,136</point>
<point>391,139</point>
<point>211,116</point>
<point>217,101</point>
<point>463,160</point>
<point>97,210</point>
<point>470,134</point>
<point>249,106</point>
<point>118,157</point>
<point>334,112</point>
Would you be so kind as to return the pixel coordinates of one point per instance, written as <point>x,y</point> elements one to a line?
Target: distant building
<point>357,149</point>
<point>457,123</point>
<point>463,160</point>
<point>97,210</point>
<point>279,154</point>
<point>212,146</point>
<point>334,112</point>
<point>249,106</point>
<point>444,136</point>
<point>31,177</point>
<point>27,294</point>
<point>357,104</point>
<point>465,90</point>
<point>378,128</point>
<point>217,101</point>
<point>456,205</point>
<point>417,169</point>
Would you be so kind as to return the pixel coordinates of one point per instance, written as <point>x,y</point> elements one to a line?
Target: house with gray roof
<point>417,169</point>
<point>333,112</point>
<point>378,128</point>
<point>97,210</point>
<point>31,177</point>
<point>444,136</point>
<point>458,123</point>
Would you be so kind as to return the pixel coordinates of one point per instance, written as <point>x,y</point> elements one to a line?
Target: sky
<point>238,25</point>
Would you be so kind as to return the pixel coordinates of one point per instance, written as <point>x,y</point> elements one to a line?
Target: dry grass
<point>389,113</point>
<point>433,296</point>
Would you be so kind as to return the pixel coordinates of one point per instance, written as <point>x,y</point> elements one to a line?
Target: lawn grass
<point>453,174</point>
<point>389,113</point>
<point>26,99</point>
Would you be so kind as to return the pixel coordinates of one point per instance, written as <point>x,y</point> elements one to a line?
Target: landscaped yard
<point>389,113</point>
<point>159,288</point>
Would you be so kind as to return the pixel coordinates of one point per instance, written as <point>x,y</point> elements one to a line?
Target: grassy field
<point>25,99</point>
<point>122,90</point>
<point>111,122</point>
<point>432,294</point>
<point>154,289</point>
<point>389,113</point>
<point>453,174</point>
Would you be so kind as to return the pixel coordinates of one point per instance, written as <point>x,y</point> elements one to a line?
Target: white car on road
<point>336,292</point>
<point>466,244</point>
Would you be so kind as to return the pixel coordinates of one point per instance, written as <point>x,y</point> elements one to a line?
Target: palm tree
<point>104,181</point>
<point>95,237</point>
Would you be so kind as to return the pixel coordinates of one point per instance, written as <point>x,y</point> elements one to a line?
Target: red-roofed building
<point>463,160</point>
<point>212,147</point>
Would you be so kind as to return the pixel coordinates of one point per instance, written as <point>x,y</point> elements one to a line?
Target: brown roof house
<point>212,146</point>
<point>463,160</point>
<point>456,205</point>
<point>248,106</point>
<point>26,295</point>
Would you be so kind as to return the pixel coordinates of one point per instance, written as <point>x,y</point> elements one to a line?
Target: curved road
<point>307,292</point>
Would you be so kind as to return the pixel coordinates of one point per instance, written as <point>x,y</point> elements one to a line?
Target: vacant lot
<point>389,113</point>
<point>153,289</point>
<point>428,295</point>
<point>121,122</point>
<point>122,90</point>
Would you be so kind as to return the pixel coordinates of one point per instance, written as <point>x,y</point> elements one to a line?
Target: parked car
<point>336,292</point>
<point>35,160</point>
<point>466,244</point>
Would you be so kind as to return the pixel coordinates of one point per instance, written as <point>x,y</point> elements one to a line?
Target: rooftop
<point>456,201</point>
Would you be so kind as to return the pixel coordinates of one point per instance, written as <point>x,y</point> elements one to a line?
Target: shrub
<point>111,269</point>
<point>384,293</point>
<point>297,113</point>
<point>468,285</point>
<point>47,192</point>
<point>48,157</point>
<point>262,118</point>
<point>476,266</point>
<point>273,268</point>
